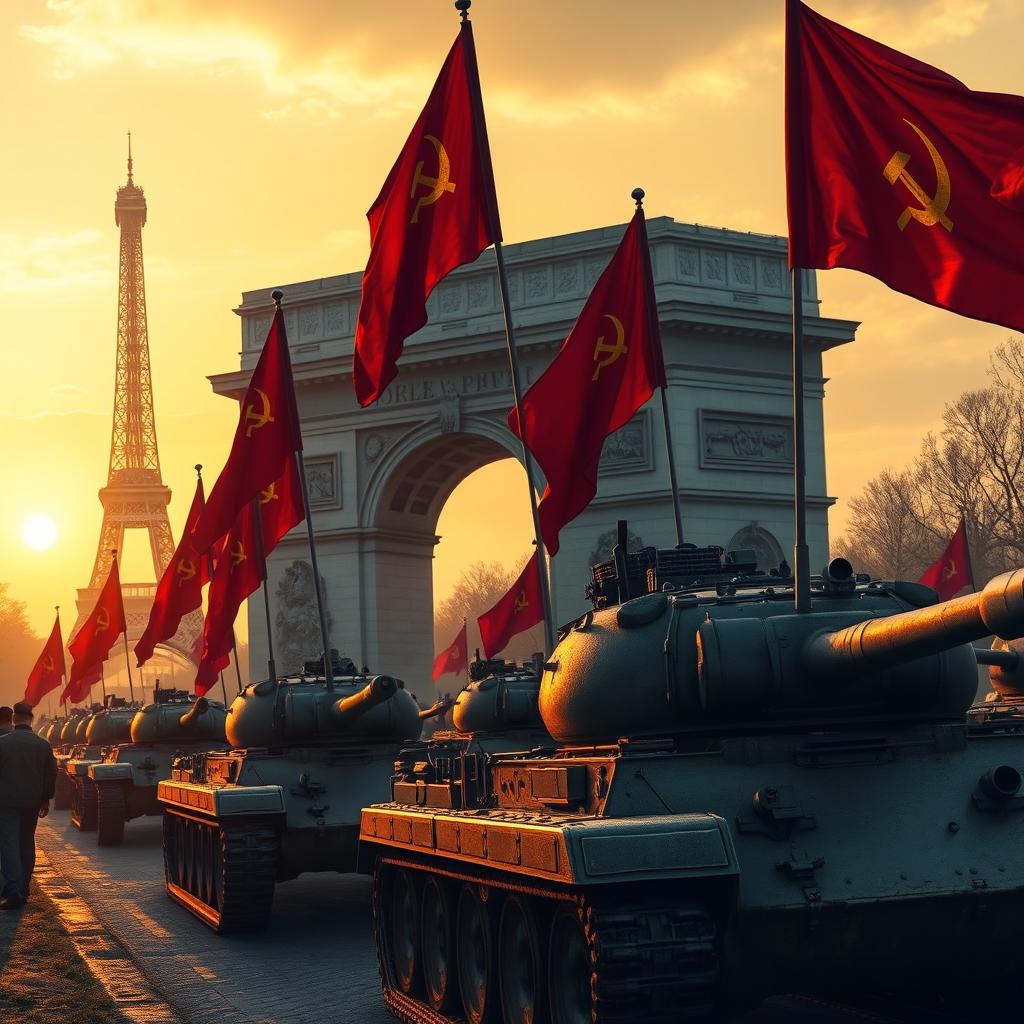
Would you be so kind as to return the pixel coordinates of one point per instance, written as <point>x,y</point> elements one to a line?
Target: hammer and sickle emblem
<point>186,570</point>
<point>257,419</point>
<point>612,352</point>
<point>521,602</point>
<point>48,665</point>
<point>949,570</point>
<point>932,210</point>
<point>102,621</point>
<point>270,494</point>
<point>438,186</point>
<point>237,553</point>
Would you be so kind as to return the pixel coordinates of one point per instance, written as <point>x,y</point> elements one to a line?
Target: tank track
<point>62,792</point>
<point>110,814</point>
<point>656,962</point>
<point>83,805</point>
<point>223,874</point>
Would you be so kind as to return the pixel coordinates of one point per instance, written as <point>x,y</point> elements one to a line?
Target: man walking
<point>28,772</point>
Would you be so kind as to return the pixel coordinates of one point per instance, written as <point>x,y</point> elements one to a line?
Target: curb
<point>107,959</point>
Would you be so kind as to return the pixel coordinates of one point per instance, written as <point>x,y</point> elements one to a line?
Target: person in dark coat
<point>28,773</point>
<point>6,720</point>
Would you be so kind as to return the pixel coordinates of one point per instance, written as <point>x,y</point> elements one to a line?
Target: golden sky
<point>262,132</point>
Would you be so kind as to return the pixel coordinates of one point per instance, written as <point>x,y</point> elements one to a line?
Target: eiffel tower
<point>135,497</point>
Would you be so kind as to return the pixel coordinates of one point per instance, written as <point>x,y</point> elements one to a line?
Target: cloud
<point>66,391</point>
<point>71,260</point>
<point>541,63</point>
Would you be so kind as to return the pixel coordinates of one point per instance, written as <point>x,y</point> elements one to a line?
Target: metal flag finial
<point>199,469</point>
<point>277,295</point>
<point>637,195</point>
<point>462,6</point>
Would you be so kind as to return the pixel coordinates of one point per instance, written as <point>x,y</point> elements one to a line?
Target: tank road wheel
<point>522,966</point>
<point>225,875</point>
<point>475,958</point>
<point>437,936</point>
<point>62,792</point>
<point>111,814</point>
<point>83,804</point>
<point>399,915</point>
<point>570,969</point>
<point>657,961</point>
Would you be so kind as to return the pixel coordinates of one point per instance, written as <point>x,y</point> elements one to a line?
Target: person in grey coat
<point>28,773</point>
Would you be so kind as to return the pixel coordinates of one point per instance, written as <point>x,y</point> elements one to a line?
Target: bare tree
<point>479,587</point>
<point>973,467</point>
<point>19,647</point>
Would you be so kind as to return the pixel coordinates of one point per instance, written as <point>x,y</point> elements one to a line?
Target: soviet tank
<point>125,779</point>
<point>68,739</point>
<point>739,801</point>
<point>101,730</point>
<point>306,754</point>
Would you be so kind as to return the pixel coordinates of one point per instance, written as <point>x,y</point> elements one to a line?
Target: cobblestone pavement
<point>315,964</point>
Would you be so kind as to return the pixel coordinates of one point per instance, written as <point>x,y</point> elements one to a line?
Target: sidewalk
<point>58,964</point>
<point>315,963</point>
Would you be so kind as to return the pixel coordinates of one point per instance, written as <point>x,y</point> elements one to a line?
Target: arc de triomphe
<point>379,477</point>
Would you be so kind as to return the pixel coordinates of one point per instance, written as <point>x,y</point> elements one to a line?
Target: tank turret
<point>500,696</point>
<point>742,656</point>
<point>268,714</point>
<point>109,726</point>
<point>176,715</point>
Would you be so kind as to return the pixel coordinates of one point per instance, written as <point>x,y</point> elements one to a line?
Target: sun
<point>39,532</point>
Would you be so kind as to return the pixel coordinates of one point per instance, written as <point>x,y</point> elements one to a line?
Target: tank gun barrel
<point>377,690</point>
<point>1008,660</point>
<point>438,708</point>
<point>191,717</point>
<point>879,643</point>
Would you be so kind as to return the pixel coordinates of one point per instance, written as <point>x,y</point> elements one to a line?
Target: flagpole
<point>127,656</point>
<point>277,295</point>
<point>476,102</point>
<point>234,651</point>
<point>103,686</point>
<point>801,559</point>
<point>637,195</point>
<point>258,524</point>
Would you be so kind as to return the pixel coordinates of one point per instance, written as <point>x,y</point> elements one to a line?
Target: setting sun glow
<point>39,532</point>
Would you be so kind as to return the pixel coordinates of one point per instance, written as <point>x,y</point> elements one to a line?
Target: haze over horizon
<point>262,133</point>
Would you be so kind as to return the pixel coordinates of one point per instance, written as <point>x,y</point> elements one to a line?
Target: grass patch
<point>43,980</point>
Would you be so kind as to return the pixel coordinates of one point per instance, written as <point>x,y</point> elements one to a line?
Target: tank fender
<point>80,767</point>
<point>222,802</point>
<point>105,772</point>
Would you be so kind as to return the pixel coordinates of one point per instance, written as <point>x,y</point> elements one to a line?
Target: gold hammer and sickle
<point>933,209</point>
<point>186,570</point>
<point>102,620</point>
<point>258,419</point>
<point>270,494</point>
<point>949,571</point>
<point>521,602</point>
<point>614,351</point>
<point>438,186</point>
<point>237,553</point>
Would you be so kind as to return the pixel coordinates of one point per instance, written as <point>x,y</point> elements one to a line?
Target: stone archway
<point>378,477</point>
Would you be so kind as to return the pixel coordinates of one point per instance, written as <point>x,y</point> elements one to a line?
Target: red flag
<point>267,434</point>
<point>281,506</point>
<point>455,658</point>
<point>521,608</point>
<point>239,571</point>
<point>952,570</point>
<point>180,589</point>
<point>605,370</point>
<point>897,169</point>
<point>92,643</point>
<point>436,211</point>
<point>48,670</point>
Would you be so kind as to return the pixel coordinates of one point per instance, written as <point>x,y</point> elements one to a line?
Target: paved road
<point>314,963</point>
